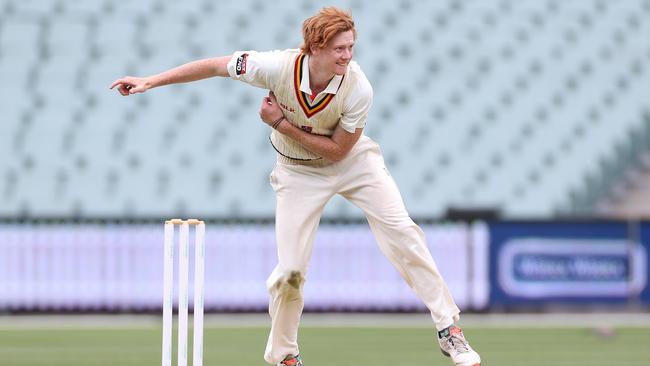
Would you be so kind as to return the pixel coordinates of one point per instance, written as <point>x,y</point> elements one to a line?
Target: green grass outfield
<point>138,344</point>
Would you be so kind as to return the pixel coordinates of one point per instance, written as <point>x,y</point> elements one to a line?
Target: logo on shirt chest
<point>287,108</point>
<point>240,67</point>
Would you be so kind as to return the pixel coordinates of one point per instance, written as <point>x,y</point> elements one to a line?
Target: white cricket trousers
<point>302,193</point>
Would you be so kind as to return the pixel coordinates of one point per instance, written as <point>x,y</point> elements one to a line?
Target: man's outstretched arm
<point>192,71</point>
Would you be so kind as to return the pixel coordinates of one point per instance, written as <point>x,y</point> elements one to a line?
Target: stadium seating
<point>519,105</point>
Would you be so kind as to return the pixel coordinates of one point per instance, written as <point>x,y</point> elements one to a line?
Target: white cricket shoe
<point>453,345</point>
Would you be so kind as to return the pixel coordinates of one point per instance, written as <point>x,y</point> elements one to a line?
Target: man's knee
<point>295,279</point>
<point>288,282</point>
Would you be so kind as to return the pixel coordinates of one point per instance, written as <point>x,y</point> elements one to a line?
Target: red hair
<point>319,29</point>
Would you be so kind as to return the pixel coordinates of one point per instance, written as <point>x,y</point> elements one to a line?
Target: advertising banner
<point>644,236</point>
<point>565,263</point>
<point>118,267</point>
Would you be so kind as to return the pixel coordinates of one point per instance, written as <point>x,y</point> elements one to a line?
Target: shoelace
<point>458,342</point>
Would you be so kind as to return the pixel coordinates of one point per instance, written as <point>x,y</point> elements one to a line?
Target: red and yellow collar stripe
<point>304,98</point>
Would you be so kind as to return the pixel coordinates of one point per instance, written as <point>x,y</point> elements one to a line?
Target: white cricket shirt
<point>345,101</point>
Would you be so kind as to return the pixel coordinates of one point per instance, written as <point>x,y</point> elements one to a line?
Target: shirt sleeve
<point>357,106</point>
<point>260,69</point>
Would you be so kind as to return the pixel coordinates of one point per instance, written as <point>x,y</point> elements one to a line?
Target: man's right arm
<point>192,71</point>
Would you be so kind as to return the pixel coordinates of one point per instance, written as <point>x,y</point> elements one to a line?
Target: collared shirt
<point>263,69</point>
<point>305,86</point>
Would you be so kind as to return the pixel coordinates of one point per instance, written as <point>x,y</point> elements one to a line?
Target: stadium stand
<point>537,108</point>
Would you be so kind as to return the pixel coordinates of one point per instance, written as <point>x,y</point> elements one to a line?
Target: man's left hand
<point>270,109</point>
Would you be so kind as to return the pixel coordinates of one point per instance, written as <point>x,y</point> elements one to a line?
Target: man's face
<point>336,55</point>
